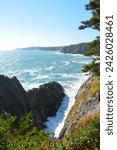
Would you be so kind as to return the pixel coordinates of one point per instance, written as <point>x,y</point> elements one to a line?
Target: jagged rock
<point>13,98</point>
<point>45,101</point>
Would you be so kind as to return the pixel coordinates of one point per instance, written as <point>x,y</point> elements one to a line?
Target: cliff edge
<point>82,126</point>
<point>87,104</point>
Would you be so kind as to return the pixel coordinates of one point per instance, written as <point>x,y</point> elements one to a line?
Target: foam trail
<point>56,123</point>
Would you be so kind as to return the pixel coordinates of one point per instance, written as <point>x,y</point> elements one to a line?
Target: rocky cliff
<point>80,48</point>
<point>86,107</point>
<point>43,101</point>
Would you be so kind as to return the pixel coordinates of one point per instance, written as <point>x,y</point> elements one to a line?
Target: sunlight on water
<point>34,68</point>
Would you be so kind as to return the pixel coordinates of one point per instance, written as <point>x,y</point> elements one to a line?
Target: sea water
<point>33,68</point>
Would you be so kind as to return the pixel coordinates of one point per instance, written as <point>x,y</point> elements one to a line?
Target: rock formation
<point>13,98</point>
<point>43,101</point>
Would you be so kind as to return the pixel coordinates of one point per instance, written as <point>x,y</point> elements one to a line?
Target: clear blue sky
<point>43,23</point>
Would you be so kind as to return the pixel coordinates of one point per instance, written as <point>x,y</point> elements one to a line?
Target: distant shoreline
<point>80,48</point>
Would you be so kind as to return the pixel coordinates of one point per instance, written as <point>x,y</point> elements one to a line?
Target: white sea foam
<point>31,71</point>
<point>71,75</point>
<point>66,63</point>
<point>81,62</point>
<point>56,123</point>
<point>41,77</point>
<point>49,68</point>
<point>74,55</point>
<point>28,86</point>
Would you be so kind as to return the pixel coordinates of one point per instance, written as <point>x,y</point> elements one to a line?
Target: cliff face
<point>86,107</point>
<point>80,48</point>
<point>43,101</point>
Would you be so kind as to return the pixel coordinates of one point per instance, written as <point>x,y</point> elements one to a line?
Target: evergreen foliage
<point>94,46</point>
<point>93,67</point>
<point>25,137</point>
<point>94,21</point>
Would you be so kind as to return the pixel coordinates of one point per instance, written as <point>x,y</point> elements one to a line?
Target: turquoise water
<point>34,68</point>
<point>37,67</point>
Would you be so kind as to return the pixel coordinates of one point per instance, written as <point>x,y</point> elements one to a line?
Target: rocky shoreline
<point>43,101</point>
<point>79,48</point>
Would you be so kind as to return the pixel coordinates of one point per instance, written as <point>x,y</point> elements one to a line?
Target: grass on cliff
<point>86,134</point>
<point>85,137</point>
<point>90,90</point>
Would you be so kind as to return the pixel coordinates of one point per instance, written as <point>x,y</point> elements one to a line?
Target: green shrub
<point>5,128</point>
<point>25,137</point>
<point>92,67</point>
<point>87,138</point>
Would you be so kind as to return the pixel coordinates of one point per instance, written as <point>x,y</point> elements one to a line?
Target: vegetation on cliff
<point>86,136</point>
<point>82,126</point>
<point>25,137</point>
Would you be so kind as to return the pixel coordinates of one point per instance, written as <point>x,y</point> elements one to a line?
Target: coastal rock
<point>87,104</point>
<point>45,101</point>
<point>80,48</point>
<point>13,98</point>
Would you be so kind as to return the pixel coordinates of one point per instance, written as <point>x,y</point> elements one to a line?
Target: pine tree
<point>94,21</point>
<point>94,46</point>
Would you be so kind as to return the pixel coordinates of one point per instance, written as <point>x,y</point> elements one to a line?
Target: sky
<point>25,23</point>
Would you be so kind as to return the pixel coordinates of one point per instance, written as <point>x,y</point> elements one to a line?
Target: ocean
<point>34,68</point>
